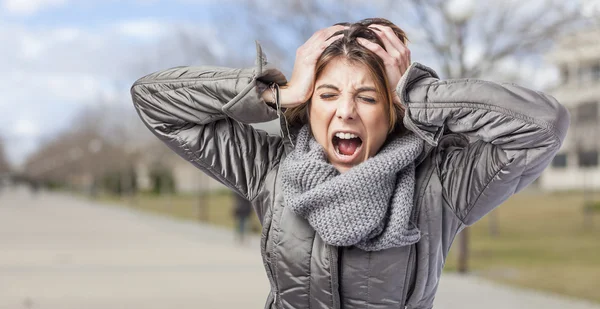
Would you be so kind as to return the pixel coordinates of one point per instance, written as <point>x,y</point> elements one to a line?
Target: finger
<point>388,60</point>
<point>318,49</point>
<point>325,33</point>
<point>313,52</point>
<point>317,40</point>
<point>389,46</point>
<point>390,35</point>
<point>327,36</point>
<point>331,40</point>
<point>393,40</point>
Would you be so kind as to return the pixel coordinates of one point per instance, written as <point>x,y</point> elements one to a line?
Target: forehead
<point>341,72</point>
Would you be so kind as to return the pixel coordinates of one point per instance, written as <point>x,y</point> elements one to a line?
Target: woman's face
<point>347,115</point>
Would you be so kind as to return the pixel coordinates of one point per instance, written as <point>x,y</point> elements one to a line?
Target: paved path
<point>60,252</point>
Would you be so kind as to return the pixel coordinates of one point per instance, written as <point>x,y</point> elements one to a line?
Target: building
<point>576,166</point>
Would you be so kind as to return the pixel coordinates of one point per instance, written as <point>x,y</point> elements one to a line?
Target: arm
<point>202,113</point>
<point>517,132</point>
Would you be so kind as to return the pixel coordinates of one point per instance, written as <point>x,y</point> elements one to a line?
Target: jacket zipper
<point>333,268</point>
<point>269,258</point>
<point>412,269</point>
<point>273,280</point>
<point>271,276</point>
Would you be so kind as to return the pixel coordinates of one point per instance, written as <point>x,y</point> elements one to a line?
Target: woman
<point>358,209</point>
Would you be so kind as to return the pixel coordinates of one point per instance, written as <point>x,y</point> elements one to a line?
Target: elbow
<point>141,87</point>
<point>562,122</point>
<point>138,90</point>
<point>556,117</point>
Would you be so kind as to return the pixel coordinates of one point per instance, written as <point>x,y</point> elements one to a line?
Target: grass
<point>543,241</point>
<point>214,208</point>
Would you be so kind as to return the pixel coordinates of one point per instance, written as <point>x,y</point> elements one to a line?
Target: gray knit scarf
<point>368,206</point>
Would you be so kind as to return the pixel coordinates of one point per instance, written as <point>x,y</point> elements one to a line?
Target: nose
<point>346,109</point>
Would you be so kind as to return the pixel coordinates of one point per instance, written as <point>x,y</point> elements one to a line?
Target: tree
<point>101,140</point>
<point>4,166</point>
<point>461,38</point>
<point>470,39</point>
<point>500,31</point>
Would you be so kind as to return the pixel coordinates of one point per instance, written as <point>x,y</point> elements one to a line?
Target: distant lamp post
<point>459,12</point>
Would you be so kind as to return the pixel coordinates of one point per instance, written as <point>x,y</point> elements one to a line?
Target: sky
<point>57,56</point>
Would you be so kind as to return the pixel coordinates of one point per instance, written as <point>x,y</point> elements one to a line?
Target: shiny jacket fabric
<point>484,142</point>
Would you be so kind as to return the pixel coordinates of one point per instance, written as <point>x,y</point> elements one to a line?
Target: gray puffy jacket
<point>485,141</point>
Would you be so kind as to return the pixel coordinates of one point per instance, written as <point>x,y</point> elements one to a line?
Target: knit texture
<point>368,206</point>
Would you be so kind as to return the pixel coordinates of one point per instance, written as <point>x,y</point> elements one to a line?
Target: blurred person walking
<point>241,213</point>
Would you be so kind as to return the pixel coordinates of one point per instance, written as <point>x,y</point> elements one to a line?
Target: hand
<point>300,87</point>
<point>395,56</point>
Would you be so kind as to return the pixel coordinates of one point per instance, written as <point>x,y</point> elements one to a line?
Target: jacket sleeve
<point>514,132</point>
<point>203,114</point>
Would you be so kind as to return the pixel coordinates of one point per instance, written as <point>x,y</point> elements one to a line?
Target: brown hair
<point>349,48</point>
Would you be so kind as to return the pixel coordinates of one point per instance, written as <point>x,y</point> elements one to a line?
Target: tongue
<point>347,147</point>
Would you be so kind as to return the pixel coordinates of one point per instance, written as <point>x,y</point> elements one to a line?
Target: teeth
<point>345,135</point>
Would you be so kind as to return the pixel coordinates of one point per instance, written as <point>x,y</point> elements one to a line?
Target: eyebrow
<point>328,86</point>
<point>361,89</point>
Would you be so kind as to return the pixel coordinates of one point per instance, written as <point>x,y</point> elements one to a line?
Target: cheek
<point>377,124</point>
<point>319,118</point>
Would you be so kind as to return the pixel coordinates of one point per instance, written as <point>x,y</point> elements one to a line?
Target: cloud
<point>31,47</point>
<point>529,72</point>
<point>142,29</point>
<point>25,127</point>
<point>50,73</point>
<point>70,87</point>
<point>66,34</point>
<point>29,7</point>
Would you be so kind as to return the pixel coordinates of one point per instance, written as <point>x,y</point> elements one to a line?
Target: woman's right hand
<point>300,87</point>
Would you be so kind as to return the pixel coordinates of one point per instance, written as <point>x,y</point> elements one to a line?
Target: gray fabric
<point>203,114</point>
<point>368,206</point>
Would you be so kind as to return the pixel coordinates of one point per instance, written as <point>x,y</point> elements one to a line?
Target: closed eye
<point>368,100</point>
<point>326,96</point>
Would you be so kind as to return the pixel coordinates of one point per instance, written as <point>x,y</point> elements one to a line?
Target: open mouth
<point>347,145</point>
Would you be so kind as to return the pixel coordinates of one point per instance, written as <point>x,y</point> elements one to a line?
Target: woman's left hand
<point>395,56</point>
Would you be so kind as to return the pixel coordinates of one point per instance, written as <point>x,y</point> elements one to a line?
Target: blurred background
<point>71,140</point>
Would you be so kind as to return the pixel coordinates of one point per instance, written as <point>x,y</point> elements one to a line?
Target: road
<point>62,252</point>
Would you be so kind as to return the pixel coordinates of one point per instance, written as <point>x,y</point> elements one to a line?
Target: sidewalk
<point>60,252</point>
